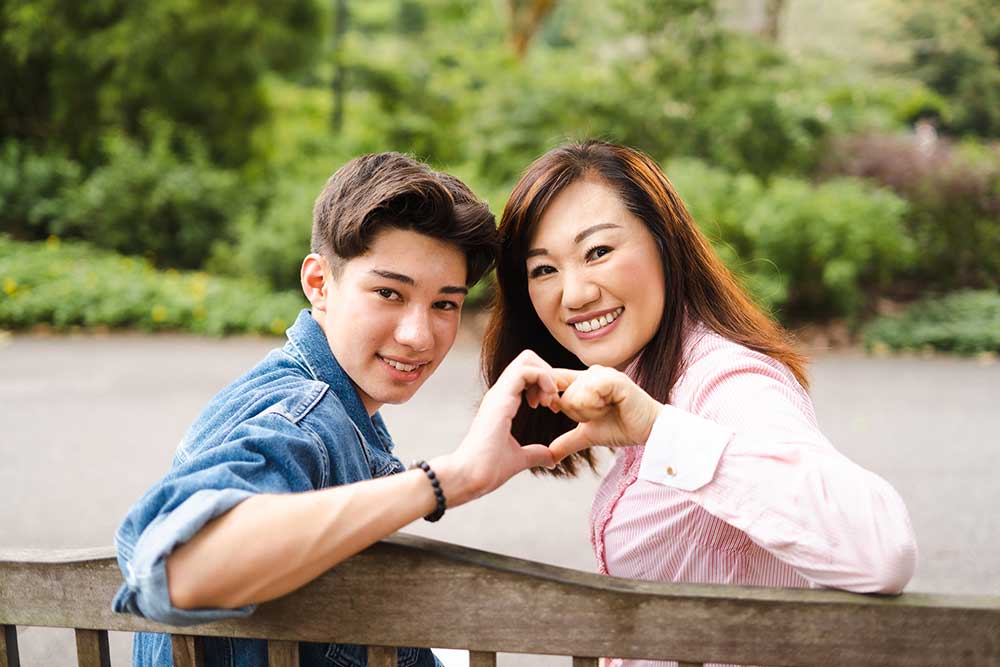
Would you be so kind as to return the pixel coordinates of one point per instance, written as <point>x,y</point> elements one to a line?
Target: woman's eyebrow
<point>534,252</point>
<point>596,228</point>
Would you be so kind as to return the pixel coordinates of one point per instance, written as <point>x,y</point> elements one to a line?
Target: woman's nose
<point>578,292</point>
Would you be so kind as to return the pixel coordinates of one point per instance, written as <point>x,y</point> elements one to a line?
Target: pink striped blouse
<point>736,485</point>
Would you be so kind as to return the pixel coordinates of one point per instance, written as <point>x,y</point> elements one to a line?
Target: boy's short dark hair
<point>373,192</point>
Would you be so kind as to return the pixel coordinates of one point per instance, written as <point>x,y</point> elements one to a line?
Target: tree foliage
<point>73,70</point>
<point>954,47</point>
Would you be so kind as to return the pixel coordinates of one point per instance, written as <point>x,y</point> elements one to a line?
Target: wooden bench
<point>409,591</point>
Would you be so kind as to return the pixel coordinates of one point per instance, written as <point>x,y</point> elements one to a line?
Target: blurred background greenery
<point>159,158</point>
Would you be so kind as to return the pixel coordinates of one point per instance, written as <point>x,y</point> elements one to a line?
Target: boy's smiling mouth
<point>409,368</point>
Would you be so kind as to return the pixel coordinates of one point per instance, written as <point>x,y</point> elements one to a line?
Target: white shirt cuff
<point>683,450</point>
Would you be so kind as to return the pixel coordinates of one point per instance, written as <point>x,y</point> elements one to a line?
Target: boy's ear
<point>313,276</point>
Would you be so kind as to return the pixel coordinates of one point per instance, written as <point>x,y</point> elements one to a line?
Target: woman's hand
<point>610,410</point>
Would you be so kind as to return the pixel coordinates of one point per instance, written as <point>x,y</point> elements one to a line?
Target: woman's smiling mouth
<point>594,326</point>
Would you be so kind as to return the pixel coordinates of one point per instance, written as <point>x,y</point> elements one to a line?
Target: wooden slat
<point>188,651</point>
<point>411,585</point>
<point>381,656</point>
<point>282,653</point>
<point>690,664</point>
<point>92,648</point>
<point>482,659</point>
<point>584,662</point>
<point>9,657</point>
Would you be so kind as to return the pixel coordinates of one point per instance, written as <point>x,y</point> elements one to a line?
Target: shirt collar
<point>309,340</point>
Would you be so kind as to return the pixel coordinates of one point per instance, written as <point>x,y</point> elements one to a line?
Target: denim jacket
<point>293,423</point>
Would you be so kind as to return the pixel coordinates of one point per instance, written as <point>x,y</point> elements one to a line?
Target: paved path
<point>88,422</point>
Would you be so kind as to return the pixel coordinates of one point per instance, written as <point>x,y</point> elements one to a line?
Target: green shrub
<point>167,204</point>
<point>33,189</point>
<point>72,284</point>
<point>810,251</point>
<point>966,322</point>
<point>953,192</point>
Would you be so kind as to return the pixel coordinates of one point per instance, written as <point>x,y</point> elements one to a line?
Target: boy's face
<point>392,314</point>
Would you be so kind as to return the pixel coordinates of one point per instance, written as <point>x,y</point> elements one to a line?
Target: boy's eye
<point>542,270</point>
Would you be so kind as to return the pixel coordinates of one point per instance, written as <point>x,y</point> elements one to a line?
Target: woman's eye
<point>446,305</point>
<point>388,294</point>
<point>542,270</point>
<point>598,251</point>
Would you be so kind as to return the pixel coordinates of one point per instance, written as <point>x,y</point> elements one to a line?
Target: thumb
<point>538,456</point>
<point>569,443</point>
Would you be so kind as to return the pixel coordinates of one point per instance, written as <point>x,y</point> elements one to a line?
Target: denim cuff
<point>145,591</point>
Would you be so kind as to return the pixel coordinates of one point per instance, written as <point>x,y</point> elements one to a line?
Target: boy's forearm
<point>270,545</point>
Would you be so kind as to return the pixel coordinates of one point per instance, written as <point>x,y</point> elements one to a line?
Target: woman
<point>721,473</point>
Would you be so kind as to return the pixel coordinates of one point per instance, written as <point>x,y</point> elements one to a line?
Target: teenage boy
<point>289,470</point>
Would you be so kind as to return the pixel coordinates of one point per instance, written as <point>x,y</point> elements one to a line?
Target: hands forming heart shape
<point>609,408</point>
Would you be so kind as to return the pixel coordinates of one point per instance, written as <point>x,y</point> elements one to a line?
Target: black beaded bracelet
<point>438,493</point>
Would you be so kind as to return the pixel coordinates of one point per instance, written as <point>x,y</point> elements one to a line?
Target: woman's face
<point>595,276</point>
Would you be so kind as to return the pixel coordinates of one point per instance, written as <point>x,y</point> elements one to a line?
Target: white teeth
<point>598,322</point>
<point>406,368</point>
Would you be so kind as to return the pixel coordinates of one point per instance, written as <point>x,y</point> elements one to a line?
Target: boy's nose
<point>414,331</point>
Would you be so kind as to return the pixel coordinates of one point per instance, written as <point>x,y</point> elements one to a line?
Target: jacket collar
<point>309,340</point>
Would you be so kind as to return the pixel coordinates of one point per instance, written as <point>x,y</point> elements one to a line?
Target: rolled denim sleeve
<point>268,454</point>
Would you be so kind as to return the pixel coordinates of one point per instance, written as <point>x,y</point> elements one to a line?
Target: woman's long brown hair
<point>696,282</point>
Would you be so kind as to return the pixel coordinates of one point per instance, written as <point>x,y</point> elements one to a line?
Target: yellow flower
<point>52,241</point>
<point>9,286</point>
<point>159,313</point>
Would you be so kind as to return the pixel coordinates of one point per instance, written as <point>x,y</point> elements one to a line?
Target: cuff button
<point>671,471</point>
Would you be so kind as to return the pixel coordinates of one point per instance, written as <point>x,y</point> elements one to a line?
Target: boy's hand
<point>609,407</point>
<point>489,455</point>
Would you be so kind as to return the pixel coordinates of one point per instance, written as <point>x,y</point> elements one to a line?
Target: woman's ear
<point>314,277</point>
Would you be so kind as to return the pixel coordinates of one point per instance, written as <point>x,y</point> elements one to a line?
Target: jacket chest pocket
<point>385,465</point>
<point>380,463</point>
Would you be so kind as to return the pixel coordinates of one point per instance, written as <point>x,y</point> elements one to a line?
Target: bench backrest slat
<point>188,651</point>
<point>382,656</point>
<point>9,657</point>
<point>92,648</point>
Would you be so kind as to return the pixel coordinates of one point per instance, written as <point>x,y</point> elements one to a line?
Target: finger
<point>515,379</point>
<point>584,403</point>
<point>537,456</point>
<point>541,389</point>
<point>564,377</point>
<point>569,443</point>
<point>529,358</point>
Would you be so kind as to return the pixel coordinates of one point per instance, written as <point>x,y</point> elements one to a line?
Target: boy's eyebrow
<point>407,280</point>
<point>534,252</point>
<point>394,276</point>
